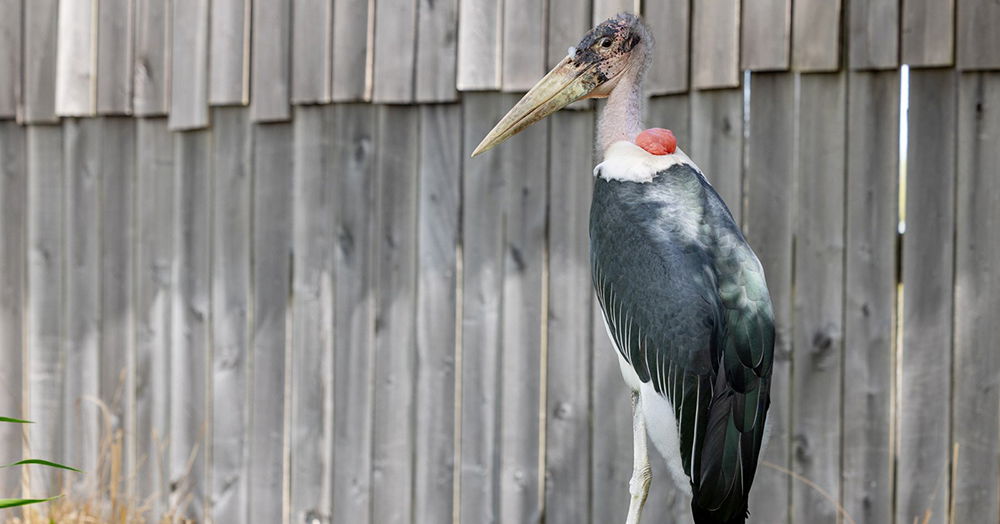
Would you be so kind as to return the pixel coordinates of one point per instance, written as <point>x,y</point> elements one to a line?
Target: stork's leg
<point>641,472</point>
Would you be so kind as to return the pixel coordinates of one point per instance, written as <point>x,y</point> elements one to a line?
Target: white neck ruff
<point>626,162</point>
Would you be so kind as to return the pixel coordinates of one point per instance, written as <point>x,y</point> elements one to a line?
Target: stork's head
<point>617,48</point>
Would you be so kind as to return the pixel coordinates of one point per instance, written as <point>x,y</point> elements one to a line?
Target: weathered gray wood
<point>190,335</point>
<point>873,36</point>
<point>482,284</point>
<point>479,52</point>
<point>271,61</point>
<point>870,294</point>
<point>114,56</point>
<point>928,33</point>
<point>818,302</point>
<point>439,202</point>
<point>10,57</point>
<point>978,38</point>
<point>397,147</point>
<point>229,52</point>
<point>568,389</point>
<point>152,58</point>
<point>816,35</point>
<point>355,324</point>
<point>189,65</point>
<point>975,403</point>
<point>715,44</point>
<point>437,36</point>
<point>923,460</point>
<point>311,418</point>
<point>604,9</point>
<point>350,49</point>
<point>395,50</point>
<point>671,112</point>
<point>769,224</point>
<point>312,48</point>
<point>766,35</point>
<point>569,20</point>
<point>231,295</point>
<point>38,87</point>
<point>670,21</point>
<point>76,65</point>
<point>154,256</point>
<point>717,142</point>
<point>523,60</point>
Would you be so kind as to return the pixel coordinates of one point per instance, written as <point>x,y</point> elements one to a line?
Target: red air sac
<point>657,141</point>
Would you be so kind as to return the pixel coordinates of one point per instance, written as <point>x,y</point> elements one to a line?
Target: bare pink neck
<point>622,115</point>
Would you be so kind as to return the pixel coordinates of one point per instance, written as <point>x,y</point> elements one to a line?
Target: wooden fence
<point>247,260</point>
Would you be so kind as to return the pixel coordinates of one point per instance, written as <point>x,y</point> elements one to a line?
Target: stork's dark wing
<point>686,304</point>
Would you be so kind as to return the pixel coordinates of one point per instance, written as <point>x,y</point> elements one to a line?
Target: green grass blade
<point>12,503</point>
<point>40,462</point>
<point>15,420</point>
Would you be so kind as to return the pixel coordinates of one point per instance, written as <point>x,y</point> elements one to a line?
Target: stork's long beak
<point>565,84</point>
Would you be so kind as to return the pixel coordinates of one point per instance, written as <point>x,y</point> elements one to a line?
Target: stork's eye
<point>604,42</point>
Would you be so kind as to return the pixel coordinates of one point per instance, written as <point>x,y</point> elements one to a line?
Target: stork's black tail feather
<point>703,516</point>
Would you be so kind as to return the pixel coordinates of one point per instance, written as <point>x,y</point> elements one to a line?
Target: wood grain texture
<point>154,285</point>
<point>438,220</point>
<point>479,45</point>
<point>818,303</point>
<point>870,294</point>
<point>816,35</point>
<point>270,70</point>
<point>395,50</point>
<point>923,459</point>
<point>353,160</point>
<point>38,91</point>
<point>928,33</point>
<point>975,404</point>
<point>114,56</point>
<point>715,44</point>
<point>873,35</point>
<point>190,341</point>
<point>568,20</point>
<point>769,224</point>
<point>312,51</point>
<point>151,70</point>
<point>350,50</point>
<point>670,21</point>
<point>10,57</point>
<point>604,9</point>
<point>671,112</point>
<point>766,35</point>
<point>978,38</point>
<point>232,179</point>
<point>523,44</point>
<point>189,65</point>
<point>76,64</point>
<point>229,52</point>
<point>717,142</point>
<point>437,38</point>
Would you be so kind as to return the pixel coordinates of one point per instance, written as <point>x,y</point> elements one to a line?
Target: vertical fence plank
<point>152,58</point>
<point>76,74</point>
<point>114,56</point>
<point>482,250</point>
<point>437,35</point>
<point>816,35</point>
<point>604,9</point>
<point>190,338</point>
<point>670,21</point>
<point>189,65</point>
<point>769,222</point>
<point>524,44</point>
<point>567,410</point>
<point>672,112</point>
<point>978,38</point>
<point>10,57</point>
<point>873,35</point>
<point>395,50</point>
<point>928,32</point>
<point>355,322</point>
<point>479,44</point>
<point>271,61</point>
<point>231,296</point>
<point>717,142</point>
<point>870,294</point>
<point>154,284</point>
<point>38,87</point>
<point>229,48</point>
<point>766,35</point>
<point>715,44</point>
<point>922,484</point>
<point>438,229</point>
<point>977,290</point>
<point>568,21</point>
<point>272,251</point>
<point>312,41</point>
<point>350,48</point>
<point>818,303</point>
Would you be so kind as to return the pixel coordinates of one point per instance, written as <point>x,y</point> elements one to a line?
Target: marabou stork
<point>683,294</point>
